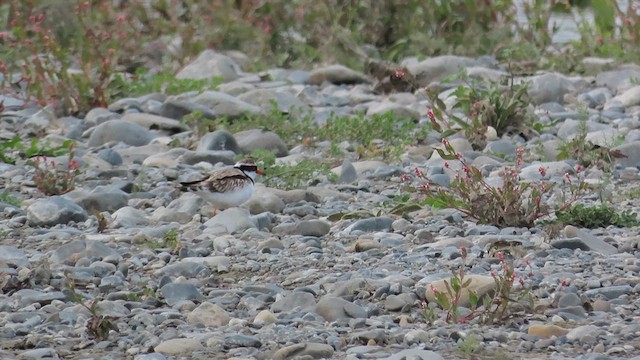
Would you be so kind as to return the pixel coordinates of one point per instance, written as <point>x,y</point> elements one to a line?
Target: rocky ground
<point>276,278</point>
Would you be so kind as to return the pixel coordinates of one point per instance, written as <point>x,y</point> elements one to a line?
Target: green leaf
<point>405,208</point>
<point>473,299</point>
<point>445,156</point>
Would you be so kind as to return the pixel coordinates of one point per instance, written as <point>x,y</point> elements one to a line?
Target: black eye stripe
<point>245,167</point>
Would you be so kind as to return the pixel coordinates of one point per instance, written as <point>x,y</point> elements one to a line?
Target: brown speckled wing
<point>224,181</point>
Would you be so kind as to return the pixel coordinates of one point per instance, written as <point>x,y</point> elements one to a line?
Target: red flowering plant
<point>53,178</point>
<point>512,287</point>
<point>515,202</point>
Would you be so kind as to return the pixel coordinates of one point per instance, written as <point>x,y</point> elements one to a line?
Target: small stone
<point>578,238</point>
<point>610,292</point>
<point>546,331</point>
<point>178,346</point>
<point>569,299</point>
<point>208,314</point>
<point>241,341</point>
<point>370,225</point>
<point>333,308</point>
<point>175,292</point>
<point>415,354</point>
<point>265,317</point>
<point>218,140</point>
<point>296,300</point>
<point>364,244</point>
<point>601,305</point>
<point>304,351</point>
<point>398,302</point>
<point>258,139</point>
<point>120,131</point>
<point>336,74</point>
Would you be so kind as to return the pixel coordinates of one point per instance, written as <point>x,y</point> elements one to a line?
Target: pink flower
<point>446,164</point>
<point>542,171</point>
<point>431,115</point>
<point>400,73</point>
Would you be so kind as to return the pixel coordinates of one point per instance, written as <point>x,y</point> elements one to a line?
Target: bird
<point>228,187</point>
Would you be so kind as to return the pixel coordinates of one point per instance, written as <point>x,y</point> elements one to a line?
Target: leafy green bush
<point>596,216</point>
<point>505,109</point>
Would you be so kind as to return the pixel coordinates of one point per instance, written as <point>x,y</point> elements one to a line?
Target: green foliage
<point>292,130</point>
<point>7,198</point>
<point>469,346</point>
<point>52,178</point>
<point>401,205</point>
<point>379,136</point>
<point>170,240</point>
<point>164,82</point>
<point>98,325</point>
<point>491,307</point>
<point>15,148</point>
<point>596,216</point>
<point>587,153</point>
<point>395,132</point>
<point>504,109</point>
<point>198,123</point>
<point>284,176</point>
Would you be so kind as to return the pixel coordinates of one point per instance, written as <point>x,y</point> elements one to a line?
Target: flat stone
<point>382,223</point>
<point>304,350</point>
<point>415,354</point>
<point>259,139</point>
<point>336,74</point>
<point>546,331</point>
<point>175,292</point>
<point>208,314</point>
<point>54,210</point>
<point>178,346</point>
<point>610,292</point>
<point>297,299</point>
<point>210,64</point>
<point>218,140</point>
<point>581,239</point>
<point>120,131</point>
<point>333,308</point>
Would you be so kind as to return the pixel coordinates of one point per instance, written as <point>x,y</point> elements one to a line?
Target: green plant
<point>169,240</point>
<point>395,132</point>
<point>503,109</point>
<point>13,149</point>
<point>285,176</point>
<point>164,82</point>
<point>491,307</point>
<point>98,325</point>
<point>596,216</point>
<point>52,178</point>
<point>514,203</point>
<point>7,198</point>
<point>200,124</point>
<point>401,205</point>
<point>469,346</point>
<point>587,153</point>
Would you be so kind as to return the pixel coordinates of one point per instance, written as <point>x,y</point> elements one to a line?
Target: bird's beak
<point>259,172</point>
